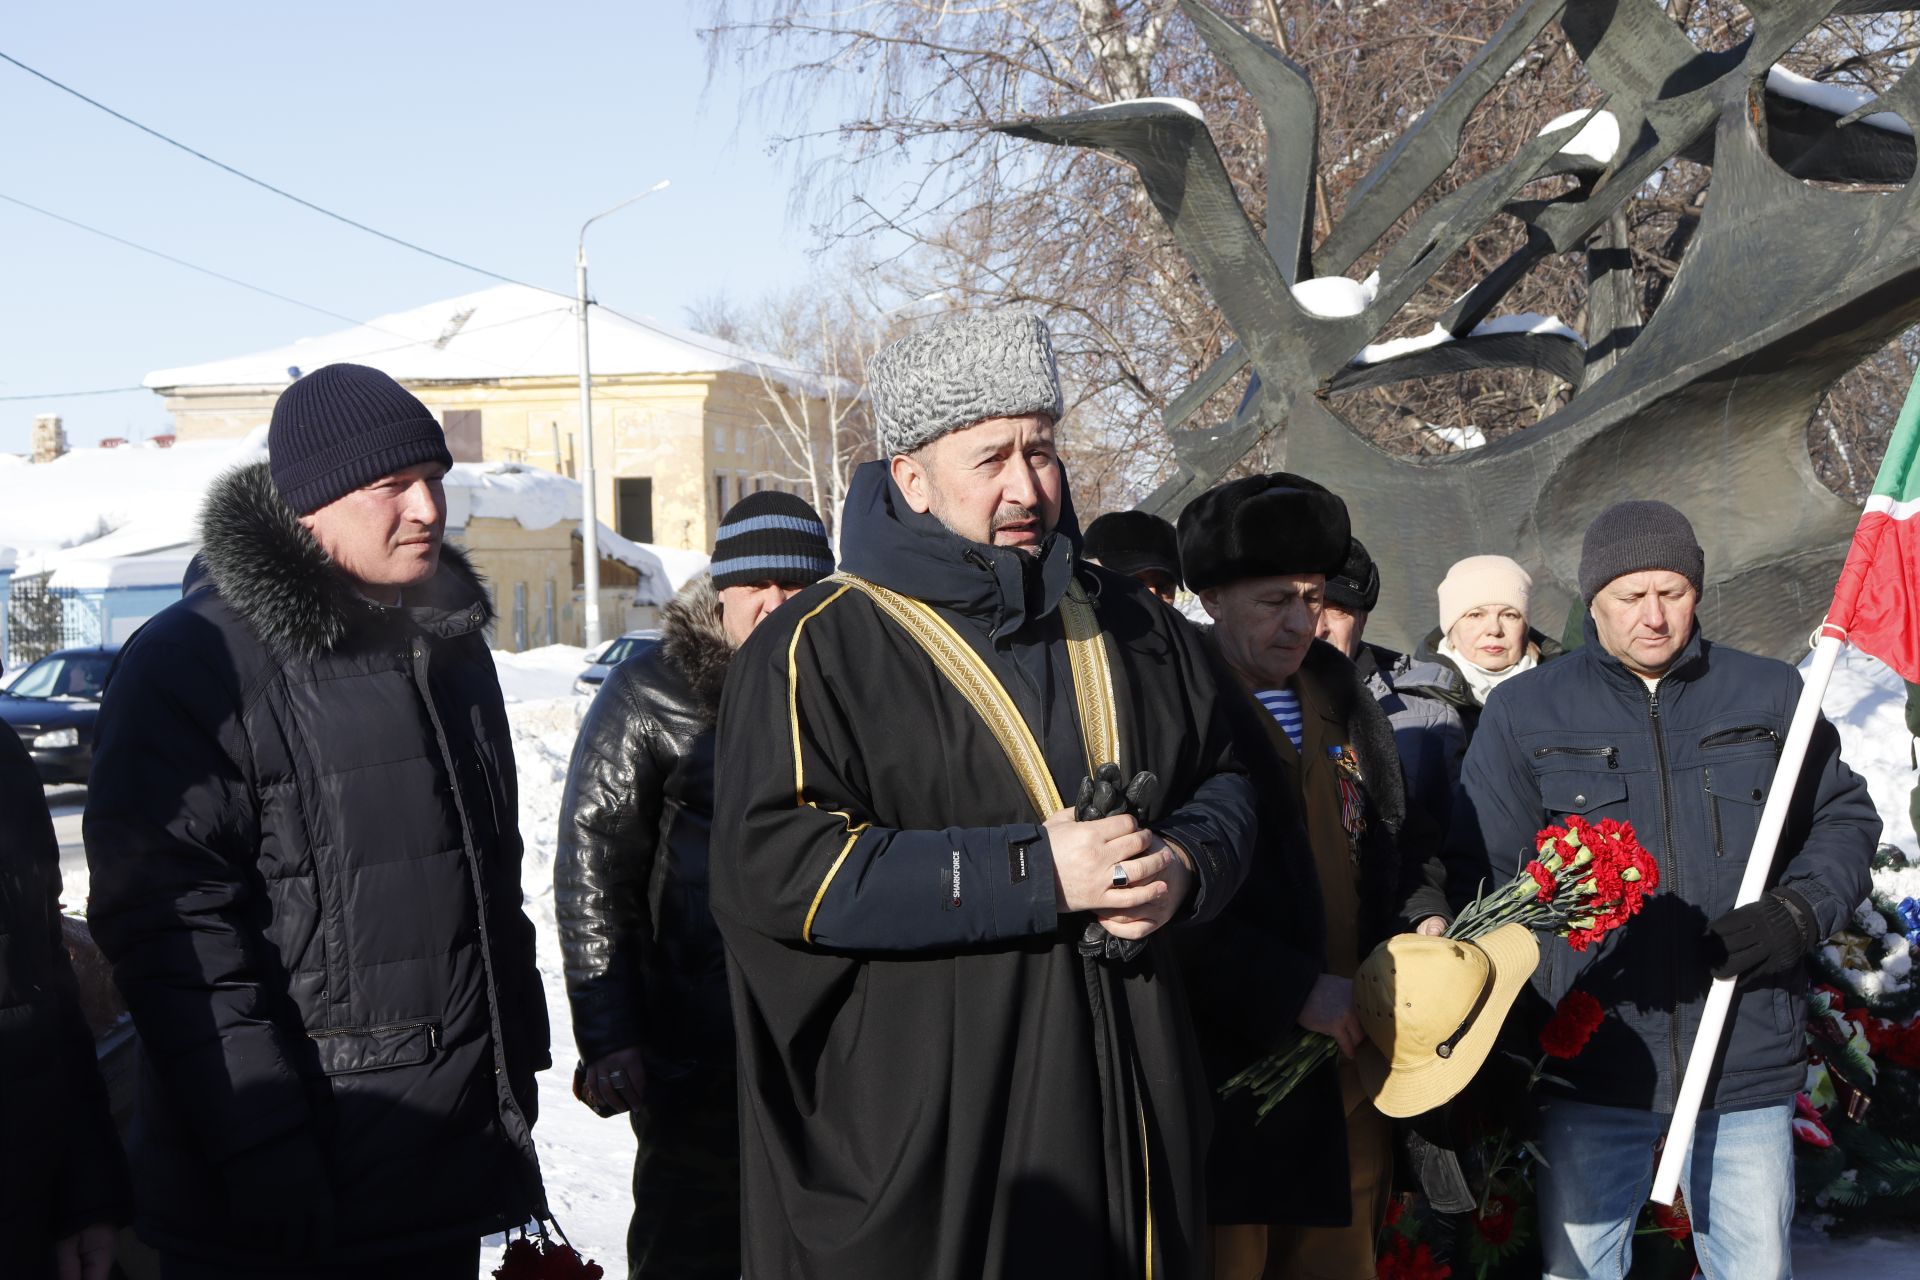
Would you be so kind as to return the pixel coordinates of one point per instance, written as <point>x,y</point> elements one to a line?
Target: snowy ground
<point>587,1161</point>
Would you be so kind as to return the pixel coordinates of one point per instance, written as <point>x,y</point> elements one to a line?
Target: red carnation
<point>1673,1220</point>
<point>1496,1224</point>
<point>1395,1208</point>
<point>1408,1261</point>
<point>1574,1020</point>
<point>1543,878</point>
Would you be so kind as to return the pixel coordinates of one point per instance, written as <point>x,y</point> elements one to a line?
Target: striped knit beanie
<point>770,537</point>
<point>342,427</point>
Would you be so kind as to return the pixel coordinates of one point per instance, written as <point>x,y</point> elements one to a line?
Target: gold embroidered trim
<point>1092,679</point>
<point>793,695</point>
<point>820,894</point>
<point>799,767</point>
<point>964,669</point>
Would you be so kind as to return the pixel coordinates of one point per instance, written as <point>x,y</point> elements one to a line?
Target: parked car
<point>52,706</point>
<point>612,654</point>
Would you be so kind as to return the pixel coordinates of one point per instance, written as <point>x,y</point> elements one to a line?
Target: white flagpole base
<point>1713,1019</point>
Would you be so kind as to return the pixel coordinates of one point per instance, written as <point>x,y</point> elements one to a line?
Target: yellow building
<point>680,420</point>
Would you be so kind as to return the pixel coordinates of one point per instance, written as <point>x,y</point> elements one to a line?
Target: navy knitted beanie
<point>344,426</point>
<point>770,537</point>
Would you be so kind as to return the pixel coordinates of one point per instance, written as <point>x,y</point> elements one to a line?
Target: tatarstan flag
<point>1876,607</point>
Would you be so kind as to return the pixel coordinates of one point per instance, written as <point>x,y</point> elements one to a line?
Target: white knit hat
<point>1479,580</point>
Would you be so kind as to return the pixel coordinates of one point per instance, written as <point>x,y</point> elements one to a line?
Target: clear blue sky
<point>485,130</point>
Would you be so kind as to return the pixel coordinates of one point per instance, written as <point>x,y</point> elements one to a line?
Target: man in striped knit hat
<point>1302,1193</point>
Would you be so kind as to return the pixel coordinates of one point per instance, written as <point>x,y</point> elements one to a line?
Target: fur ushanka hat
<point>1261,527</point>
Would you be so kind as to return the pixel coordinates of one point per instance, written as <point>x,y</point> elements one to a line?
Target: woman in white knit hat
<point>1483,639</point>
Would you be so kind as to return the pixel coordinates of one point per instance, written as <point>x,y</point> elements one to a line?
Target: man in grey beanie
<point>964,785</point>
<point>1651,723</point>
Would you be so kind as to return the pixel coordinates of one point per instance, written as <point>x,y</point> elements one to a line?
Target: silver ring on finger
<point>1120,880</point>
<point>618,1078</point>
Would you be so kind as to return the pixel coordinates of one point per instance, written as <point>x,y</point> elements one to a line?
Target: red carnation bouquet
<point>1585,880</point>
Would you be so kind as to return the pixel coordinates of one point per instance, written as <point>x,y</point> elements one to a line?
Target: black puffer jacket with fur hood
<point>306,872</point>
<point>645,966</point>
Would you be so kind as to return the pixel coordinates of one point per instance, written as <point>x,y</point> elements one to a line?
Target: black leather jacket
<point>644,962</point>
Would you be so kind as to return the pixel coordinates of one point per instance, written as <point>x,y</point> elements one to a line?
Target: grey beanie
<point>959,370</point>
<point>1632,537</point>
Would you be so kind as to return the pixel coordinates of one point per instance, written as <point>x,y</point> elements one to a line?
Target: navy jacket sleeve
<point>172,839</point>
<point>1217,828</point>
<point>1832,832</point>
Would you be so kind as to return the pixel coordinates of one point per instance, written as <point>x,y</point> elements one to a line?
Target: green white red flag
<point>1876,607</point>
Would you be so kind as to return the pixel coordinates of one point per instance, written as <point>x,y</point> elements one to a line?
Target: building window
<point>720,439</point>
<point>463,433</point>
<point>739,439</point>
<point>633,507</point>
<point>720,503</point>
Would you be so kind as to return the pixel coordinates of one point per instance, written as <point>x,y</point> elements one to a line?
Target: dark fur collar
<point>275,577</point>
<point>692,639</point>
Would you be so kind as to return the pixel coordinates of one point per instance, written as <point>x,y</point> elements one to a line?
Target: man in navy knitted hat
<point>303,833</point>
<point>1653,724</point>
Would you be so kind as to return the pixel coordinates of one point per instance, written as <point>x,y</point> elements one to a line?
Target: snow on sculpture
<point>1784,287</point>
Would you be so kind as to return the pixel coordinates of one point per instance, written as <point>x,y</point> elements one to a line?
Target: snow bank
<point>1867,704</point>
<point>538,675</point>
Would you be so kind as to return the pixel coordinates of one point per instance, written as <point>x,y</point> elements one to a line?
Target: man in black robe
<point>964,1050</point>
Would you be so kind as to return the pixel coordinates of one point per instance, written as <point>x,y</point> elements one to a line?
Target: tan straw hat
<point>1431,1008</point>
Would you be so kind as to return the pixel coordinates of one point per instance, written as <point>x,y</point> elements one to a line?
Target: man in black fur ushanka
<point>964,1050</point>
<point>306,871</point>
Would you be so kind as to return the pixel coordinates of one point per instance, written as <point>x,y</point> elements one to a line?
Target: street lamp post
<point>589,497</point>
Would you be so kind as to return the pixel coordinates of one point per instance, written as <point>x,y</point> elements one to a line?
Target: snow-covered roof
<point>140,505</point>
<point>508,331</point>
<point>85,573</point>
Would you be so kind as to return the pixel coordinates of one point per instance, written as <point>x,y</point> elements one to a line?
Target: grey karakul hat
<point>959,370</point>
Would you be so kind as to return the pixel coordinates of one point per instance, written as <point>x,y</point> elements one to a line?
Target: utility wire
<point>69,395</point>
<point>405,340</point>
<point>268,186</point>
<point>178,262</point>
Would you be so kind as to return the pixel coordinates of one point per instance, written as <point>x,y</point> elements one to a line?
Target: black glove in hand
<point>1102,796</point>
<point>281,1195</point>
<point>1765,937</point>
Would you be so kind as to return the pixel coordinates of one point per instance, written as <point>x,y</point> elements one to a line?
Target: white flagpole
<point>1773,817</point>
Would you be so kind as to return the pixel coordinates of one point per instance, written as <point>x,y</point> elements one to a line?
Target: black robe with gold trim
<point>935,1082</point>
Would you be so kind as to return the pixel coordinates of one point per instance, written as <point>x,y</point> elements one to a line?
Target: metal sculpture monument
<point>1782,289</point>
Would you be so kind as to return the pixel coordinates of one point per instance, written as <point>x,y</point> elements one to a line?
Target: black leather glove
<point>1765,937</point>
<point>281,1195</point>
<point>1103,796</point>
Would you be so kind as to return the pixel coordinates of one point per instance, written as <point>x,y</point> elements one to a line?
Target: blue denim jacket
<point>1689,764</point>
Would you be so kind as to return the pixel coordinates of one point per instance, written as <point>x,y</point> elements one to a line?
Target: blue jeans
<point>1738,1182</point>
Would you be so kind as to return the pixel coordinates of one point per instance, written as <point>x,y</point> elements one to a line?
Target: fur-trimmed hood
<point>692,639</point>
<point>273,575</point>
